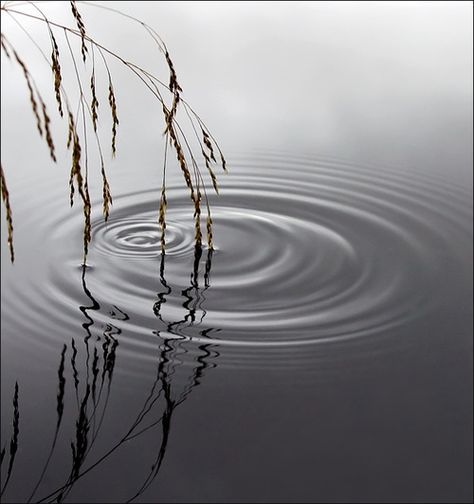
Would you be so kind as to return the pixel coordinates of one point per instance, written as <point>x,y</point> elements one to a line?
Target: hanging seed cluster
<point>88,110</point>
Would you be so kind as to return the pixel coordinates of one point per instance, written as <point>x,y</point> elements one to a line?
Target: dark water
<point>323,351</point>
<point>320,353</point>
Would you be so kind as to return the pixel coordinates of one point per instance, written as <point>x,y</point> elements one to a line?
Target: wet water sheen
<point>322,269</point>
<point>308,252</point>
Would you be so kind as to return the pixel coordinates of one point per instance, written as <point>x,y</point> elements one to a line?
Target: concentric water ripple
<point>307,251</point>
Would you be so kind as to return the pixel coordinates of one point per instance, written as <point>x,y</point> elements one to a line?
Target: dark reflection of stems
<point>193,298</point>
<point>161,295</point>
<point>207,272</point>
<point>86,429</point>
<point>79,448</point>
<point>14,439</point>
<point>108,353</point>
<point>85,436</point>
<point>89,320</point>
<point>98,379</point>
<point>60,410</point>
<point>85,309</point>
<point>195,273</point>
<point>74,370</point>
<point>165,423</point>
<point>60,493</point>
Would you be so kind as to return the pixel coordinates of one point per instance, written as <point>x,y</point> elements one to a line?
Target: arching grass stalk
<point>86,118</point>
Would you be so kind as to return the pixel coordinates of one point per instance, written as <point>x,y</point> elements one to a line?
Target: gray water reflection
<point>347,275</point>
<point>309,251</point>
<point>92,387</point>
<point>337,317</point>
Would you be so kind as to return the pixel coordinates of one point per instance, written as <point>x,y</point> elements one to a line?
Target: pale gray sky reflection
<point>388,82</point>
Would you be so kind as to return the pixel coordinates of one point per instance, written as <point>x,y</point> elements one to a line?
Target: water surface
<point>321,353</point>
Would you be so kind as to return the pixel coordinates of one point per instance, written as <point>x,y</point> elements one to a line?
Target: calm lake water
<point>323,351</point>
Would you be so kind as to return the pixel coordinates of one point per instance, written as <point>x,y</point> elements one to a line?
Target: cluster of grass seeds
<point>47,131</point>
<point>115,121</point>
<point>74,145</point>
<point>33,102</point>
<point>56,69</point>
<point>82,29</point>
<point>8,211</point>
<point>95,101</point>
<point>106,194</point>
<point>88,114</point>
<point>163,202</point>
